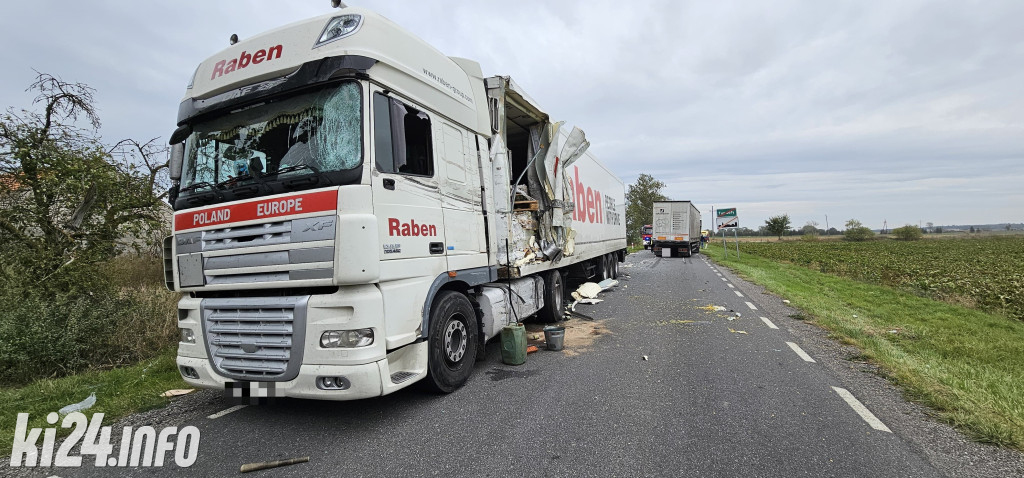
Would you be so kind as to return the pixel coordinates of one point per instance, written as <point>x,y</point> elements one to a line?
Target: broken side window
<point>402,138</point>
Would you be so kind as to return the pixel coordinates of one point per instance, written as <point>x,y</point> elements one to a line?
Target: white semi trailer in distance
<point>356,211</point>
<point>677,228</point>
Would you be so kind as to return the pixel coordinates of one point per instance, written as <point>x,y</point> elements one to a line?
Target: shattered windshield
<point>311,133</point>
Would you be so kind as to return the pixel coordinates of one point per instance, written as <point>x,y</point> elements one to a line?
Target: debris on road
<point>590,301</point>
<point>177,392</point>
<point>785,301</point>
<point>738,331</point>
<point>712,308</point>
<point>645,358</point>
<point>77,407</point>
<point>266,465</point>
<point>588,290</point>
<point>531,349</point>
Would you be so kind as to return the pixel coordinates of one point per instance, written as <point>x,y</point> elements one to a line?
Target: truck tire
<point>452,342</point>
<point>613,266</point>
<point>554,298</point>
<point>600,268</point>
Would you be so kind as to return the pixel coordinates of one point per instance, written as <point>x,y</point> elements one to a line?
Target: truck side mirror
<point>177,158</point>
<point>177,142</point>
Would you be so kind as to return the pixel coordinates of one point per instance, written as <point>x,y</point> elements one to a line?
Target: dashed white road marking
<point>799,351</point>
<point>768,323</point>
<point>725,280</point>
<point>719,275</point>
<point>752,307</point>
<point>862,410</point>
<point>738,293</point>
<point>227,411</point>
<point>731,286</point>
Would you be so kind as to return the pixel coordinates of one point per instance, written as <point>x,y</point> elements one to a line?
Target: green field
<point>986,273</point>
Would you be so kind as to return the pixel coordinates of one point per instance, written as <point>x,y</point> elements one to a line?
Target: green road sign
<point>730,212</point>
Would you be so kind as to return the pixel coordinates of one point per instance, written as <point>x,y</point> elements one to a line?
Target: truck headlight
<point>346,338</point>
<point>187,336</point>
<point>339,27</point>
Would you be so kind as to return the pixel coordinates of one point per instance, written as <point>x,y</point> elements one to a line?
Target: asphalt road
<point>673,389</point>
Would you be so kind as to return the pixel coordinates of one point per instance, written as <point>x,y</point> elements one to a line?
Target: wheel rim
<point>556,286</point>
<point>455,340</point>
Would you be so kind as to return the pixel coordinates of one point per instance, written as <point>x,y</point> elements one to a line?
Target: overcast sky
<point>903,111</point>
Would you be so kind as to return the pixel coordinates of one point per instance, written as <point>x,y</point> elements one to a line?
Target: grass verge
<point>119,392</point>
<point>966,364</point>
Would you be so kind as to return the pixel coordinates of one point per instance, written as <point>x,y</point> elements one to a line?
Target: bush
<point>809,237</point>
<point>858,234</point>
<point>80,318</point>
<point>907,233</point>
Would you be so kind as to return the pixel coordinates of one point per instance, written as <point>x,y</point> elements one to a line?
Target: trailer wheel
<point>452,341</point>
<point>554,297</point>
<point>613,266</point>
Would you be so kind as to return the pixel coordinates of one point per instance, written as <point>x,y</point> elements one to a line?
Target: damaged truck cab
<point>354,211</point>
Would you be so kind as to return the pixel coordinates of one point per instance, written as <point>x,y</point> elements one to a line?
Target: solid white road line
<point>768,323</point>
<point>862,410</point>
<point>738,293</point>
<point>752,307</point>
<point>227,411</point>
<point>799,351</point>
<point>731,286</point>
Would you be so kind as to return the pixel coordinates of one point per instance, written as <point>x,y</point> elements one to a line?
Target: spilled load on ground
<point>355,211</point>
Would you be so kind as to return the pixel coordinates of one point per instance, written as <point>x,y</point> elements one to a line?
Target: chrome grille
<point>255,338</point>
<point>224,257</point>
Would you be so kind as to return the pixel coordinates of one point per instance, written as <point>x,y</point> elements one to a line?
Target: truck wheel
<point>613,266</point>
<point>452,342</point>
<point>554,298</point>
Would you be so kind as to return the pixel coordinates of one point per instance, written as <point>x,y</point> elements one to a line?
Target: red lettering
<point>598,217</point>
<point>276,49</point>
<point>218,69</point>
<point>399,228</point>
<point>581,196</point>
<point>590,205</point>
<point>224,67</point>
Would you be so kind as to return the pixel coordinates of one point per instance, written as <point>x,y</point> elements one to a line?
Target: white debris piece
<point>591,301</point>
<point>608,284</point>
<point>77,407</point>
<point>589,290</point>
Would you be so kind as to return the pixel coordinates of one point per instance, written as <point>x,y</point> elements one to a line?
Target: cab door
<point>406,198</point>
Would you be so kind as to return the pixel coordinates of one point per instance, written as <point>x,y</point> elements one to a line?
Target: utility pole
<point>828,230</point>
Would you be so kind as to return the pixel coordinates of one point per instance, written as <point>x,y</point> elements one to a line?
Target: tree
<point>907,233</point>
<point>938,230</point>
<point>810,229</point>
<point>65,198</point>
<point>640,204</point>
<point>777,225</point>
<point>855,231</point>
<point>971,230</point>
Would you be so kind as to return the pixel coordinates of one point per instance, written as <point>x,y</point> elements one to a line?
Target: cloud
<point>887,112</point>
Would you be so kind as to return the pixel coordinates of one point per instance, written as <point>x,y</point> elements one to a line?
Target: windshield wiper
<point>298,167</point>
<point>200,184</point>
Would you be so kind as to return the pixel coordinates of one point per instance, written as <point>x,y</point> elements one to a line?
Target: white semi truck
<point>355,212</point>
<point>677,228</point>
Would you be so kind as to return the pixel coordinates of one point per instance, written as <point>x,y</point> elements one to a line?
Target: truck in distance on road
<point>646,235</point>
<point>677,227</point>
<point>356,211</point>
